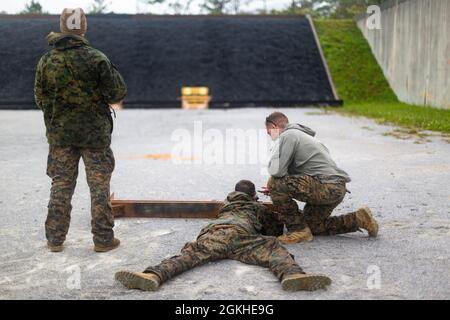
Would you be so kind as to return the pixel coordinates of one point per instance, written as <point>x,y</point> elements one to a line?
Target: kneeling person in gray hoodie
<point>301,168</point>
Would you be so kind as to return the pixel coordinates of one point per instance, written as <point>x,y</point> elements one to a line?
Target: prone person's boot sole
<point>308,282</point>
<point>132,280</point>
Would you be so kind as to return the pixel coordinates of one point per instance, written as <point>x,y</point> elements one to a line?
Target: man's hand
<point>265,191</point>
<point>117,106</point>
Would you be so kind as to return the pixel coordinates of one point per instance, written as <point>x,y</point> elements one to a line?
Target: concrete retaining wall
<point>413,49</point>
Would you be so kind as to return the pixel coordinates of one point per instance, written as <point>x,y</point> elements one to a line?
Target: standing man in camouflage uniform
<point>301,168</point>
<point>74,87</point>
<point>237,235</point>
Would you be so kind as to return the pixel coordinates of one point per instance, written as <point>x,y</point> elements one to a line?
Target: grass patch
<point>410,116</point>
<point>355,72</point>
<point>360,82</point>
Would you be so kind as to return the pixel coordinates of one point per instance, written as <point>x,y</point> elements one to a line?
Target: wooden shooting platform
<point>167,209</point>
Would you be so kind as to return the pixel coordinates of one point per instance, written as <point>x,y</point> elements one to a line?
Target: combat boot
<point>302,281</point>
<point>104,248</point>
<point>55,248</point>
<point>366,221</point>
<point>304,235</point>
<point>138,280</point>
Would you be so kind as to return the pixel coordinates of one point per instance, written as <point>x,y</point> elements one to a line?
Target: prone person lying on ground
<point>246,231</point>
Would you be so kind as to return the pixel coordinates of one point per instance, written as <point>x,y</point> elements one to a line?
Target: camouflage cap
<point>73,21</point>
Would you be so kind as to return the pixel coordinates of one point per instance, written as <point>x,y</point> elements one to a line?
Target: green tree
<point>180,6</point>
<point>236,5</point>
<point>224,6</point>
<point>336,9</point>
<point>303,7</point>
<point>99,7</point>
<point>347,9</point>
<point>34,7</point>
<point>215,6</point>
<point>177,6</point>
<point>152,2</point>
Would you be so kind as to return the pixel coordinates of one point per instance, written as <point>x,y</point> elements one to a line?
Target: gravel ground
<point>405,182</point>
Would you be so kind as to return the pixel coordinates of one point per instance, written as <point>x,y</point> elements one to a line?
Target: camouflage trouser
<point>62,168</point>
<point>229,243</point>
<point>320,200</point>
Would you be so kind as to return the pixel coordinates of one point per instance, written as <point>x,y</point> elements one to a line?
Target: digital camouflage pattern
<point>234,235</point>
<point>320,200</point>
<point>74,86</point>
<point>62,168</point>
<point>241,210</point>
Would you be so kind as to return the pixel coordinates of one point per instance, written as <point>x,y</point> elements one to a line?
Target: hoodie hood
<point>237,196</point>
<point>239,211</point>
<point>61,41</point>
<point>297,126</point>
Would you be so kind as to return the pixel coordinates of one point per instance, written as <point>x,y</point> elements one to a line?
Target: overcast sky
<point>126,6</point>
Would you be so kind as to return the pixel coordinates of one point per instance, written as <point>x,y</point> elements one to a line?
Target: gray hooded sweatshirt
<point>297,152</point>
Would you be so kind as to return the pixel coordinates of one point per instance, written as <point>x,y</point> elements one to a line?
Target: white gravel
<point>406,184</point>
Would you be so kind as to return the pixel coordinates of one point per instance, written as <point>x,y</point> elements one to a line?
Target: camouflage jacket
<point>74,86</point>
<point>242,211</point>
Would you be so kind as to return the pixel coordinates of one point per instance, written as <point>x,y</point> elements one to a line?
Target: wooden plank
<point>167,209</point>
